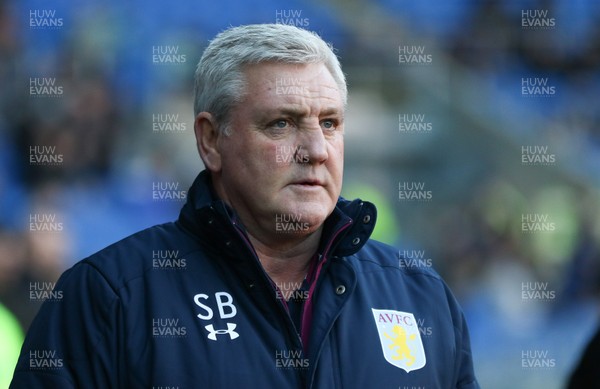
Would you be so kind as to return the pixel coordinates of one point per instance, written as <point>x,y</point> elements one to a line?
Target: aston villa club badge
<point>400,339</point>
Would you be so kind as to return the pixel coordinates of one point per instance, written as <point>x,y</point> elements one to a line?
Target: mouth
<point>308,182</point>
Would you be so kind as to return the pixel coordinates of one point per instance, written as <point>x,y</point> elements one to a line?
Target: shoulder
<point>135,255</point>
<point>392,269</point>
<point>408,274</point>
<point>376,256</point>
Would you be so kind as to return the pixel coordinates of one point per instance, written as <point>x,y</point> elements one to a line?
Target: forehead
<point>292,83</point>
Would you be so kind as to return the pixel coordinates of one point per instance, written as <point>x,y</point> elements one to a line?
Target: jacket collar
<point>210,219</point>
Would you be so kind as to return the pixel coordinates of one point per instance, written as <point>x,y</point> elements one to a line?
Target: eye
<point>280,124</point>
<point>279,127</point>
<point>329,124</point>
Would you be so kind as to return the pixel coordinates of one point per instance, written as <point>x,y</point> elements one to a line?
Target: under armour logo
<point>212,333</point>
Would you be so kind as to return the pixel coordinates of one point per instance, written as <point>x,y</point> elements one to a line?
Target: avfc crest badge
<point>400,339</point>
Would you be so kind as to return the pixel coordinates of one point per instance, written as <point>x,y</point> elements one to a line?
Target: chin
<point>314,218</point>
<point>306,217</point>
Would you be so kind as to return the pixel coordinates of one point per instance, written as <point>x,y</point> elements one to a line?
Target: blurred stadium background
<point>474,125</point>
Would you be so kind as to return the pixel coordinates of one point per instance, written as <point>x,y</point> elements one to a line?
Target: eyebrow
<point>332,111</point>
<point>294,111</point>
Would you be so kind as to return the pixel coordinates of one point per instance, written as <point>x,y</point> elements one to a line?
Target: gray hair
<point>219,81</point>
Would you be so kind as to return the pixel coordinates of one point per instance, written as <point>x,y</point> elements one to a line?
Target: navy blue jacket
<point>187,305</point>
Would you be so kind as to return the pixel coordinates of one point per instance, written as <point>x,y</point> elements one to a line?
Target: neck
<point>287,263</point>
<point>285,257</point>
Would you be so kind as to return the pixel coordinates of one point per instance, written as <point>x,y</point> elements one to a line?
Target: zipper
<point>306,316</point>
<point>280,302</point>
<point>317,356</point>
<point>306,320</point>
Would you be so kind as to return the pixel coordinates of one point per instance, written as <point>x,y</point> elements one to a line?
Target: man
<point>268,279</point>
<point>585,373</point>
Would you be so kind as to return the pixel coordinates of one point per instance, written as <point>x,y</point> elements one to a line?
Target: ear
<point>207,136</point>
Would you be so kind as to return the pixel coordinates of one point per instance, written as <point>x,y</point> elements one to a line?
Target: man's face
<point>283,161</point>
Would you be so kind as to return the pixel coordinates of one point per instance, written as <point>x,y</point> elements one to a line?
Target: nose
<point>313,145</point>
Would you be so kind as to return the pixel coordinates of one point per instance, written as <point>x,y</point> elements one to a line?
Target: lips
<point>308,182</point>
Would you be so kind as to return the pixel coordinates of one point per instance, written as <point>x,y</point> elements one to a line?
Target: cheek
<point>263,168</point>
<point>336,156</point>
<point>249,159</point>
<point>337,167</point>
